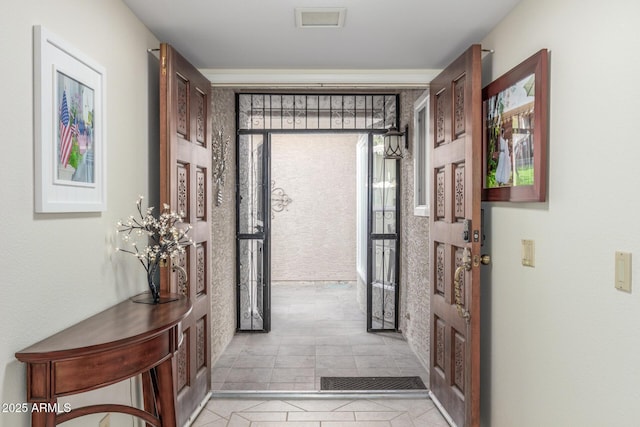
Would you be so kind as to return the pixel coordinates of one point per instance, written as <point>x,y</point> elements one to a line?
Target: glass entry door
<point>383,274</point>
<point>253,223</point>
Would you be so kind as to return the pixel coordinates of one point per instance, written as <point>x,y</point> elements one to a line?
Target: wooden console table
<point>121,342</point>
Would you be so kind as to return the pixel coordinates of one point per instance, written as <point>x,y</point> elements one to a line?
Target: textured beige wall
<point>414,253</point>
<point>223,248</point>
<point>314,238</point>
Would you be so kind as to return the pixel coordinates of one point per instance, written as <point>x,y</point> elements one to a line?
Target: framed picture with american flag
<point>70,146</point>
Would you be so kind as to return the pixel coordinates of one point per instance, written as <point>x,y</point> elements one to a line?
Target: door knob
<point>485,259</point>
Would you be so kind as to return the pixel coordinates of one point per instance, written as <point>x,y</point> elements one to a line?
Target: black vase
<point>154,287</point>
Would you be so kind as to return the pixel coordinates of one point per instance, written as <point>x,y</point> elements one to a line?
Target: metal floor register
<point>371,383</point>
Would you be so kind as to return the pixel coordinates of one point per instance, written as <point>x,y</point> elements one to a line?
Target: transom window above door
<point>316,111</point>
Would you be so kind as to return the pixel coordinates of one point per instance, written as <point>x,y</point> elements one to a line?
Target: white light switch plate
<point>528,253</point>
<point>623,271</point>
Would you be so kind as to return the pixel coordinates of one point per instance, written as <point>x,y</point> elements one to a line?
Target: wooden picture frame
<point>515,129</point>
<point>69,127</point>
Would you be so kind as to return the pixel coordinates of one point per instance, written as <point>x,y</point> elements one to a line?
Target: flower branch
<point>154,240</point>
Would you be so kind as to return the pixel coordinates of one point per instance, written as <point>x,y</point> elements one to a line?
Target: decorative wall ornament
<point>279,199</point>
<point>220,149</point>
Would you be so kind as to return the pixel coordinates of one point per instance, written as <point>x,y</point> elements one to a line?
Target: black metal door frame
<point>263,273</point>
<point>264,235</point>
<point>372,236</point>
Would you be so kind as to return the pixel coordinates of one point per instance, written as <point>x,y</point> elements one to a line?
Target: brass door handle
<point>183,273</point>
<point>457,286</point>
<point>180,268</point>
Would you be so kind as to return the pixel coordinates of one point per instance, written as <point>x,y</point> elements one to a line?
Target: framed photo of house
<point>69,127</point>
<point>515,128</point>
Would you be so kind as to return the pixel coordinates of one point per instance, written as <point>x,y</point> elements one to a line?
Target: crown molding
<point>417,78</point>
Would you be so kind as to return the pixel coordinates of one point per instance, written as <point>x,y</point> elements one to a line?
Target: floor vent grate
<point>371,383</point>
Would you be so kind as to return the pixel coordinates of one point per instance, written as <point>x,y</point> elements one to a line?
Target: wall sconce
<point>394,140</point>
<point>220,152</point>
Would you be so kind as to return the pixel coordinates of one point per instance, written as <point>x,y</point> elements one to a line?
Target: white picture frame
<point>69,127</point>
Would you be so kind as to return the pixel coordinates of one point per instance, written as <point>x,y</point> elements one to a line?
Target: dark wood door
<point>185,185</point>
<point>455,142</point>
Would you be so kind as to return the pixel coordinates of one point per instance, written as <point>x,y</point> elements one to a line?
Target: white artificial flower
<point>153,239</point>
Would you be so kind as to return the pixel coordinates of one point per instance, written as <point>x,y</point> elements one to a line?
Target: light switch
<point>528,253</point>
<point>623,271</point>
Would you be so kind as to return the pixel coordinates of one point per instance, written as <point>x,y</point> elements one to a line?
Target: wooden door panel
<point>185,176</point>
<point>456,150</point>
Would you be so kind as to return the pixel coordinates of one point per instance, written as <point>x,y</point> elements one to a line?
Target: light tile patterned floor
<point>320,413</point>
<point>317,330</point>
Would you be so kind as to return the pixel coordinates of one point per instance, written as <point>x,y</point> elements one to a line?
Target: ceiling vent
<point>323,17</point>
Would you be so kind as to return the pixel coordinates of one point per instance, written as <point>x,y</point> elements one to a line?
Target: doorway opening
<point>266,120</point>
<point>321,223</point>
<point>314,230</point>
<point>317,328</point>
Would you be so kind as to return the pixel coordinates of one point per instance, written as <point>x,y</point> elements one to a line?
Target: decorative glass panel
<point>385,188</point>
<point>440,194</point>
<point>313,112</point>
<point>458,113</point>
<point>439,343</point>
<point>201,259</point>
<point>349,112</point>
<point>383,286</point>
<point>250,184</point>
<point>183,107</point>
<point>267,111</point>
<point>324,110</point>
<point>183,190</point>
<point>201,194</point>
<point>439,118</point>
<point>251,284</point>
<point>201,118</point>
<point>459,207</point>
<point>201,343</point>
<point>182,361</point>
<point>458,360</point>
<point>287,115</point>
<point>440,269</point>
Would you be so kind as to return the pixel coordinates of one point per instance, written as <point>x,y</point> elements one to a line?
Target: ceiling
<point>251,35</point>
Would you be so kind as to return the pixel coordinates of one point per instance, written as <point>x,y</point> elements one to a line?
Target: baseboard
<point>197,411</point>
<point>443,411</point>
<point>279,394</point>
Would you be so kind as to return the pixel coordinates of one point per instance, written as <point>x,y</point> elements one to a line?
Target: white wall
<point>560,345</point>
<point>58,269</point>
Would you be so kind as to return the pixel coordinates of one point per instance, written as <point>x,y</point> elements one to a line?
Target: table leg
<point>42,418</point>
<point>166,394</point>
<point>148,395</point>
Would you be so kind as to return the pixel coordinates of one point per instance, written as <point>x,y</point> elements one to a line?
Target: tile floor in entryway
<point>320,413</point>
<point>317,330</point>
